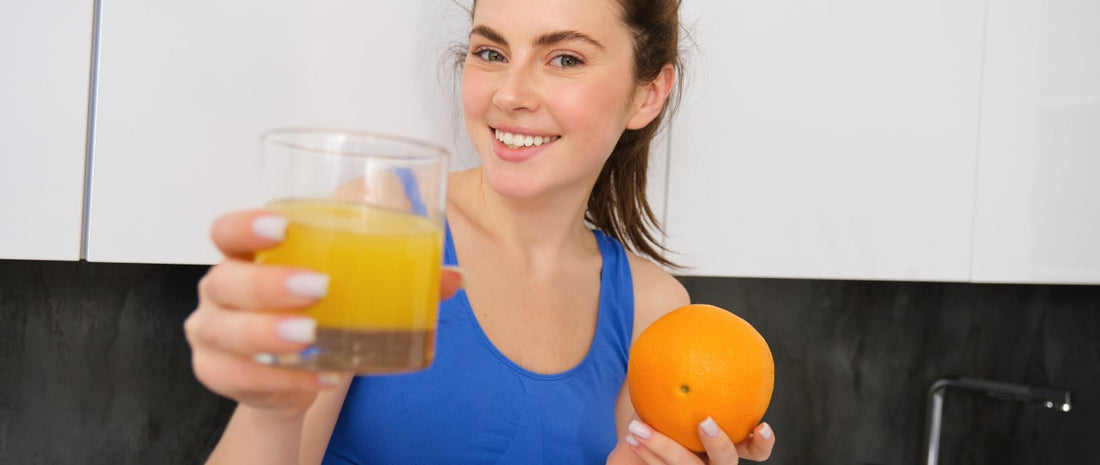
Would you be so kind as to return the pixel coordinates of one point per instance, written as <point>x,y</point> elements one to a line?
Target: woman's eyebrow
<point>565,36</point>
<point>549,38</point>
<point>488,33</point>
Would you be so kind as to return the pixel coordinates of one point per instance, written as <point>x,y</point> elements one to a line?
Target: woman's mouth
<point>519,141</point>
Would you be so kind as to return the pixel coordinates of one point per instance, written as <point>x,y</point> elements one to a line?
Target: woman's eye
<point>490,55</point>
<point>566,61</point>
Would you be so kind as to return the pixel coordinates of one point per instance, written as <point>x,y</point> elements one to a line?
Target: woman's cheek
<point>477,91</point>
<point>592,105</point>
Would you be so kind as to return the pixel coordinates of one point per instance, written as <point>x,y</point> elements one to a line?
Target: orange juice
<point>380,313</point>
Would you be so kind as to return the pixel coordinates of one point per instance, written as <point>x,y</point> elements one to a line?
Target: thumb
<point>758,446</point>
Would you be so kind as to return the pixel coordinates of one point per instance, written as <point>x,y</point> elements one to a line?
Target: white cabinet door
<point>1038,193</point>
<point>186,88</point>
<point>828,139</point>
<point>45,51</point>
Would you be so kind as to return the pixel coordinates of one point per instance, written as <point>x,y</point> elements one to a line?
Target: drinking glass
<point>367,210</point>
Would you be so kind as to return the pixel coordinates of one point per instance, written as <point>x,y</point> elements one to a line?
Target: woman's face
<point>547,89</point>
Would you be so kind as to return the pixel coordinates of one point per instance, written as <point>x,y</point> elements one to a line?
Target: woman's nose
<point>517,91</point>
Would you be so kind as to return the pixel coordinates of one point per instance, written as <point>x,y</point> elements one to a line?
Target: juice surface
<point>383,265</point>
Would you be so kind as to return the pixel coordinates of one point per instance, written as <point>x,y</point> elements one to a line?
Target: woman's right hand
<point>246,309</point>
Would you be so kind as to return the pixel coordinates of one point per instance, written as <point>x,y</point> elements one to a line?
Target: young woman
<point>561,100</point>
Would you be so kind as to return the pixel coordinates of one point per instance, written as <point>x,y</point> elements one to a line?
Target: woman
<point>561,100</point>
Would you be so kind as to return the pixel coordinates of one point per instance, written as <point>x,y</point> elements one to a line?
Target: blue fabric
<point>475,406</point>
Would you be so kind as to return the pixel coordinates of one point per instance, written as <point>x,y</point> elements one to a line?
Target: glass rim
<point>432,150</point>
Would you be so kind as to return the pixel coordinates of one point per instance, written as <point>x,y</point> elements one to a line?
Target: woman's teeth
<point>516,141</point>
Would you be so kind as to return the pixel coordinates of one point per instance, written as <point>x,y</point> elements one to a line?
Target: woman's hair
<point>618,205</point>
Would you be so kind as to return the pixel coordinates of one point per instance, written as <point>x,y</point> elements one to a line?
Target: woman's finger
<point>647,456</point>
<point>240,234</point>
<point>242,285</point>
<point>758,446</point>
<point>656,448</point>
<point>259,385</point>
<point>248,333</point>
<point>720,450</point>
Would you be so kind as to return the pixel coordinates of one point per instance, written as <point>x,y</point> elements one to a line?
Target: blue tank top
<point>475,406</point>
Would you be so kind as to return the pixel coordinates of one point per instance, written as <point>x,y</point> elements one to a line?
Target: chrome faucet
<point>1052,398</point>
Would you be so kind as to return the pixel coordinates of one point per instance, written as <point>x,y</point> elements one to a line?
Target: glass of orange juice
<point>367,210</point>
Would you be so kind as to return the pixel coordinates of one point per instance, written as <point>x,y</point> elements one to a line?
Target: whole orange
<point>699,361</point>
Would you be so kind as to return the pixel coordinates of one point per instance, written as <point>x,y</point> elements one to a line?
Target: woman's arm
<point>263,436</point>
<point>320,421</point>
<point>655,294</point>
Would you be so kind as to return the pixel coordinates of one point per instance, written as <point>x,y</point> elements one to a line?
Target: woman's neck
<point>539,227</point>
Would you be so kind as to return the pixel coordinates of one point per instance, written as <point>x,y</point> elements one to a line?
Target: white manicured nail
<point>639,429</point>
<point>630,440</point>
<point>314,285</point>
<point>270,227</point>
<point>297,329</point>
<point>264,359</point>
<point>709,427</point>
<point>766,432</point>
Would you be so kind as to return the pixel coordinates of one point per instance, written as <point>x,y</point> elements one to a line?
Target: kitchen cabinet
<point>928,141</point>
<point>45,48</point>
<point>832,140</point>
<point>186,89</point>
<point>1037,210</point>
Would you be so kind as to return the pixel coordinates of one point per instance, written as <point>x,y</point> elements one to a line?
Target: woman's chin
<point>512,183</point>
<point>513,188</point>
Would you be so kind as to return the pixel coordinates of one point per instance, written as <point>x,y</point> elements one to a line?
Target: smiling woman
<point>561,100</point>
<point>618,203</point>
<point>523,79</point>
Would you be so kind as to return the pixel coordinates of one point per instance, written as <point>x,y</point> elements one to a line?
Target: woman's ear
<point>650,98</point>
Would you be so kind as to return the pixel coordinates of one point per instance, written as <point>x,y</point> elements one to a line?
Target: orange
<point>699,361</point>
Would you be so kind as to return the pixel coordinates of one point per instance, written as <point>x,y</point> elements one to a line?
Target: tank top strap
<point>616,314</point>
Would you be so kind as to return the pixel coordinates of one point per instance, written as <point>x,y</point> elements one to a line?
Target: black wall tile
<point>855,360</point>
<point>94,368</point>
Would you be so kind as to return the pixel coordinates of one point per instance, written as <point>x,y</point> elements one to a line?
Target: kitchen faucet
<point>1052,398</point>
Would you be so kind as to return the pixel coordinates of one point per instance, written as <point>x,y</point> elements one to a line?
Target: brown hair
<point>618,205</point>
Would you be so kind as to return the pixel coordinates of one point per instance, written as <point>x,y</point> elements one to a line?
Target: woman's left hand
<point>654,448</point>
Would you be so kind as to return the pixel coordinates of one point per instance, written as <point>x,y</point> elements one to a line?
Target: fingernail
<point>461,274</point>
<point>314,285</point>
<point>330,379</point>
<point>709,427</point>
<point>630,440</point>
<point>297,329</point>
<point>270,227</point>
<point>639,429</point>
<point>264,359</point>
<point>766,432</point>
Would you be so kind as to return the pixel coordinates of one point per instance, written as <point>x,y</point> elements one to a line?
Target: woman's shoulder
<point>656,292</point>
